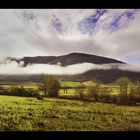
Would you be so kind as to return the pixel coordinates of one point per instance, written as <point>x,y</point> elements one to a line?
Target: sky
<point>111,33</point>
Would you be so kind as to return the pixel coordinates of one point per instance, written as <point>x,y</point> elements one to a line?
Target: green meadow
<point>63,114</point>
<point>51,114</point>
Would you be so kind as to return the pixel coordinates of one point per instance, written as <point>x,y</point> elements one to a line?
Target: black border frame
<point>69,4</point>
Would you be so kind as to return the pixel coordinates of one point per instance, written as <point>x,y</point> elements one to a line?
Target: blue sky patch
<point>88,25</point>
<point>115,24</point>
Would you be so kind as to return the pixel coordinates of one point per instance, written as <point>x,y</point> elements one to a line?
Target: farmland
<point>61,114</point>
<point>63,84</point>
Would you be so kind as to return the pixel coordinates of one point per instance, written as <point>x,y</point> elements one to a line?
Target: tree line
<point>49,87</point>
<point>129,92</point>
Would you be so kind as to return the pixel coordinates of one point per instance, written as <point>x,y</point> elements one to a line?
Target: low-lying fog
<point>12,67</point>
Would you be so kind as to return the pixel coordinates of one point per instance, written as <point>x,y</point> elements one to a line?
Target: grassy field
<point>26,85</point>
<point>20,113</point>
<point>55,114</point>
<point>69,83</point>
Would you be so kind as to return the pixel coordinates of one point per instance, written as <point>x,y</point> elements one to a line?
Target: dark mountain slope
<point>106,76</point>
<point>73,58</point>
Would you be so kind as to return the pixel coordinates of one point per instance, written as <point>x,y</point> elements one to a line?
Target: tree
<point>135,91</point>
<point>80,90</point>
<point>123,82</point>
<point>93,91</point>
<point>43,83</point>
<point>49,85</point>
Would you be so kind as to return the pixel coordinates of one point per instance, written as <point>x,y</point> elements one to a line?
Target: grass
<point>26,85</point>
<point>51,114</point>
<point>69,83</point>
<point>30,114</point>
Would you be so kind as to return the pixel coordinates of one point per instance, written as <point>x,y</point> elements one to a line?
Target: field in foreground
<point>20,113</point>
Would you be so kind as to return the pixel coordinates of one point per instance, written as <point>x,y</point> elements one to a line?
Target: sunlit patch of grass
<point>69,83</point>
<point>25,85</point>
<point>20,113</point>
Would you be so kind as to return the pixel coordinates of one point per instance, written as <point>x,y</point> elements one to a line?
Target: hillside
<point>105,76</point>
<point>73,58</point>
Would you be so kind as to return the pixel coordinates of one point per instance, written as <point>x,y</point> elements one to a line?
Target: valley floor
<point>50,114</point>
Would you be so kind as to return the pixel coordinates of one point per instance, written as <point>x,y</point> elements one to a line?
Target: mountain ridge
<point>68,59</point>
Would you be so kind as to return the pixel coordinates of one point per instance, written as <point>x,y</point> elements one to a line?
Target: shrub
<point>1,88</point>
<point>101,94</point>
<point>135,92</point>
<point>39,97</point>
<point>92,92</point>
<point>123,83</point>
<point>80,90</point>
<point>20,91</point>
<point>105,94</point>
<point>112,99</point>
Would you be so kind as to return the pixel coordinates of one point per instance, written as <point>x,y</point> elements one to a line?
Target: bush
<point>101,94</point>
<point>104,93</point>
<point>39,97</point>
<point>1,88</point>
<point>92,92</point>
<point>80,90</point>
<point>113,99</point>
<point>135,92</point>
<point>123,82</point>
<point>20,91</point>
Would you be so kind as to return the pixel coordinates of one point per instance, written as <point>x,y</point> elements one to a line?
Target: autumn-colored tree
<point>49,85</point>
<point>135,91</point>
<point>123,83</point>
<point>93,91</point>
<point>80,90</point>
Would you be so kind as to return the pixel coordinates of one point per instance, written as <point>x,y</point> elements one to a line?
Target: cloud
<point>12,67</point>
<point>132,67</point>
<point>33,32</point>
<point>15,68</point>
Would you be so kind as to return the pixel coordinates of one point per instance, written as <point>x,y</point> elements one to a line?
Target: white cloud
<point>15,68</point>
<point>29,32</point>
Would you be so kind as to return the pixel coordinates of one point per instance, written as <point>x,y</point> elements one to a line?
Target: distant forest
<point>106,76</point>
